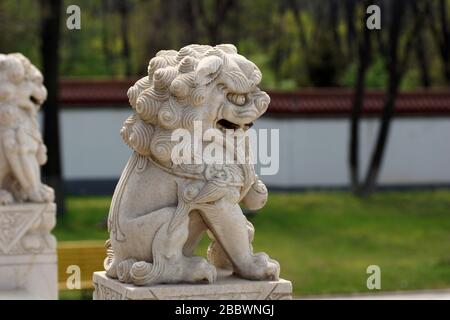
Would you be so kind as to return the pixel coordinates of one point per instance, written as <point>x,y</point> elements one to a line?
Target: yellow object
<point>87,255</point>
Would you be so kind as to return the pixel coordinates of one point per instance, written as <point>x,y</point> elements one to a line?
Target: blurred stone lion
<point>161,208</point>
<point>22,150</point>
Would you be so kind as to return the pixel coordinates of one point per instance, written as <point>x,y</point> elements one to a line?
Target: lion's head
<point>21,83</point>
<point>214,85</point>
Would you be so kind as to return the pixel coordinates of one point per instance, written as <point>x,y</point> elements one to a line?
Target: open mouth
<point>224,124</point>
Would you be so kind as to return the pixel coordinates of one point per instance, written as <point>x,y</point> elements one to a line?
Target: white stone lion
<point>160,209</point>
<point>22,151</point>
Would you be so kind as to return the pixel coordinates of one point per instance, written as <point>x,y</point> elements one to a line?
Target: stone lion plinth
<point>27,212</point>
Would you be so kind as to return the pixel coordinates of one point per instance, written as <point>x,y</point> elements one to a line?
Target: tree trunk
<point>378,153</point>
<point>419,49</point>
<point>50,28</point>
<point>445,44</point>
<point>189,23</point>
<point>124,10</point>
<point>364,58</point>
<point>397,10</point>
<point>350,24</point>
<point>423,61</point>
<point>293,5</point>
<point>333,21</point>
<point>106,49</point>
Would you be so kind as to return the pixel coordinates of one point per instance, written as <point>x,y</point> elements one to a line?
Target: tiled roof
<point>308,102</point>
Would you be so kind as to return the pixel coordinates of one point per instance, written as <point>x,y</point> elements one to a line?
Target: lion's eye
<point>237,99</point>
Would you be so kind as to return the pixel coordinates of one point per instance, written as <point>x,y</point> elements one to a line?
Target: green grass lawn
<point>324,241</point>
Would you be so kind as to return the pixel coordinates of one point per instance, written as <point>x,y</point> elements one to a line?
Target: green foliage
<point>19,26</point>
<point>323,61</point>
<point>267,31</point>
<point>85,219</point>
<point>337,236</point>
<point>376,75</point>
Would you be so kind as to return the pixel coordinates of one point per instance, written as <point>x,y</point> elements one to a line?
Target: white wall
<point>313,152</point>
<point>91,143</point>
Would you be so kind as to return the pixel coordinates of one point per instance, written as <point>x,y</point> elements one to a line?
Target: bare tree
<point>186,15</point>
<point>333,21</point>
<point>105,35</point>
<point>297,10</point>
<point>124,7</point>
<point>364,59</point>
<point>281,50</point>
<point>349,14</point>
<point>50,38</point>
<point>397,58</point>
<point>441,33</point>
<point>396,64</point>
<point>421,54</point>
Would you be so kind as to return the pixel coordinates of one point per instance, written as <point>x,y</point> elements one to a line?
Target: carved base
<point>28,263</point>
<point>225,288</point>
<point>29,277</point>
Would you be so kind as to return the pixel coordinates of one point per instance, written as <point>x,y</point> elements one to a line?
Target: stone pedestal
<point>226,287</point>
<point>28,263</point>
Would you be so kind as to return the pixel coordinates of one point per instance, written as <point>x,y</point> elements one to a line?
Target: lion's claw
<point>261,268</point>
<point>198,269</point>
<point>43,194</point>
<point>6,197</point>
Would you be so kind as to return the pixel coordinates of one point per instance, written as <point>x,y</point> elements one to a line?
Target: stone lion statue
<point>161,208</point>
<point>22,151</point>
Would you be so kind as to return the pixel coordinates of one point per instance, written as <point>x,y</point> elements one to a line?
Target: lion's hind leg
<point>234,233</point>
<point>168,264</point>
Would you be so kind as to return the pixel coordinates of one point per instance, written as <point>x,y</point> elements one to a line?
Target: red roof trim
<point>309,102</point>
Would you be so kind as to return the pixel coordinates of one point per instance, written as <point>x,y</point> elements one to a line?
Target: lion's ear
<point>207,70</point>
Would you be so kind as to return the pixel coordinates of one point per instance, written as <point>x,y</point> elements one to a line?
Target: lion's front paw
<point>261,268</point>
<point>42,194</point>
<point>6,197</point>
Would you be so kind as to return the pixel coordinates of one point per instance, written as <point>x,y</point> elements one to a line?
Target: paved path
<point>16,295</point>
<point>401,295</point>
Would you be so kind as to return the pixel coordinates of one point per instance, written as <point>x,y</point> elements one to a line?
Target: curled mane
<point>170,95</point>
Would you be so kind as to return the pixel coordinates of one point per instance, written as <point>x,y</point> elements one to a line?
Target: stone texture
<point>167,200</point>
<point>28,263</point>
<point>27,214</point>
<point>22,150</point>
<point>225,288</point>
